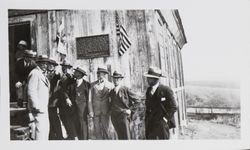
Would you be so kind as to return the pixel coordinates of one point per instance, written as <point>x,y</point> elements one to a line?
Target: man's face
<point>66,69</point>
<point>21,47</point>
<point>51,67</point>
<point>43,66</point>
<point>152,81</point>
<point>78,74</point>
<point>117,81</point>
<point>101,75</point>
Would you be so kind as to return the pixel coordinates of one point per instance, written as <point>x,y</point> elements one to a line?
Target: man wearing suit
<point>67,109</point>
<point>24,60</point>
<point>55,132</point>
<point>38,98</point>
<point>78,93</point>
<point>99,104</point>
<point>160,107</point>
<point>123,104</point>
<point>21,46</point>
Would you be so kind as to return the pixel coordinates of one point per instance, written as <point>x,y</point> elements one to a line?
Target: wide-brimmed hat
<point>53,61</point>
<point>153,72</point>
<point>23,43</point>
<point>102,69</point>
<point>66,64</point>
<point>80,70</point>
<point>29,54</point>
<point>42,58</point>
<point>117,75</point>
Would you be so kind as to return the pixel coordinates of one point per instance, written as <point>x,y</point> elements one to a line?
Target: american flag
<point>124,42</point>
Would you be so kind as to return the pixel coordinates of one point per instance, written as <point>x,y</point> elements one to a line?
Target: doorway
<point>17,32</point>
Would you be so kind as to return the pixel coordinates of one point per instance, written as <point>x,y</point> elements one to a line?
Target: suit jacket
<point>22,71</point>
<point>161,104</point>
<point>82,92</point>
<point>54,90</point>
<point>100,99</point>
<point>124,99</point>
<point>37,91</point>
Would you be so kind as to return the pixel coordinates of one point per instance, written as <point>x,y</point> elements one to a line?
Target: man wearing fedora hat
<point>67,111</point>
<point>23,66</point>
<point>78,92</point>
<point>123,104</point>
<point>42,61</point>
<point>55,131</point>
<point>21,46</point>
<point>38,98</point>
<point>99,104</point>
<point>160,106</point>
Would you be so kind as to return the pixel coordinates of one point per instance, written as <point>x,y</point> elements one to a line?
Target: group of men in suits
<point>56,98</point>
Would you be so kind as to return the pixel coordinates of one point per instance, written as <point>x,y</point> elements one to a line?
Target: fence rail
<point>213,110</point>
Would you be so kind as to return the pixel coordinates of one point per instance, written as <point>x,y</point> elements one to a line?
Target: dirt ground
<point>202,129</point>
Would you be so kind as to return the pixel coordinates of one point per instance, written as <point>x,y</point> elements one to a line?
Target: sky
<point>218,40</point>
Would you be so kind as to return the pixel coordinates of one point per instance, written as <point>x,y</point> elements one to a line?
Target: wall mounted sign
<point>92,46</point>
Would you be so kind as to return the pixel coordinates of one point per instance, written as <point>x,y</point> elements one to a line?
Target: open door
<point>17,32</point>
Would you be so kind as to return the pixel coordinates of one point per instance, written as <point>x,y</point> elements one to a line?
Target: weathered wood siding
<point>153,43</point>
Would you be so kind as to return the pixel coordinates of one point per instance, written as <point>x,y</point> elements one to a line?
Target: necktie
<point>150,91</point>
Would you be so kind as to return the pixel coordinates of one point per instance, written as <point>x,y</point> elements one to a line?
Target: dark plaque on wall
<point>92,46</point>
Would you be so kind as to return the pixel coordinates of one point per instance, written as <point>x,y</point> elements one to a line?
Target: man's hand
<point>54,102</point>
<point>165,119</point>
<point>31,117</point>
<point>127,111</point>
<point>18,84</point>
<point>91,114</point>
<point>68,102</point>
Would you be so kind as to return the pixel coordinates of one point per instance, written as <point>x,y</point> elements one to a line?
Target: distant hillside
<point>212,96</point>
<point>217,84</point>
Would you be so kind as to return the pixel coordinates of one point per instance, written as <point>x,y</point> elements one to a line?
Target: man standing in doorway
<point>99,104</point>
<point>20,90</point>
<point>160,107</point>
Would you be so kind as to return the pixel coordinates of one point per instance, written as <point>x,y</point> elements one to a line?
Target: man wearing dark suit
<point>55,130</point>
<point>67,110</point>
<point>78,93</point>
<point>123,104</point>
<point>160,107</point>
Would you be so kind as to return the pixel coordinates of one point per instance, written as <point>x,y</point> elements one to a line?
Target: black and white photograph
<point>176,75</point>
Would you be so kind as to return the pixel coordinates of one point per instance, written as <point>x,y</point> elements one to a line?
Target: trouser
<point>41,130</point>
<point>82,121</point>
<point>121,125</point>
<point>55,131</point>
<point>68,118</point>
<point>21,94</point>
<point>101,127</point>
<point>160,131</point>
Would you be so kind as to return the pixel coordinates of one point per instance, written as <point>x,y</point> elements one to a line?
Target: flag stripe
<point>124,42</point>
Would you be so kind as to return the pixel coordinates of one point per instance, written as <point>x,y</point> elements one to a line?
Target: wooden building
<point>156,36</point>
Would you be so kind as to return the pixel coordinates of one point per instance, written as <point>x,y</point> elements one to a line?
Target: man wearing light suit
<point>38,97</point>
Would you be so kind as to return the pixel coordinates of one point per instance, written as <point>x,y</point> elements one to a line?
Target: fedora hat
<point>53,61</point>
<point>23,43</point>
<point>42,58</point>
<point>117,75</point>
<point>102,69</point>
<point>153,72</point>
<point>66,64</point>
<point>29,54</point>
<point>80,70</point>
